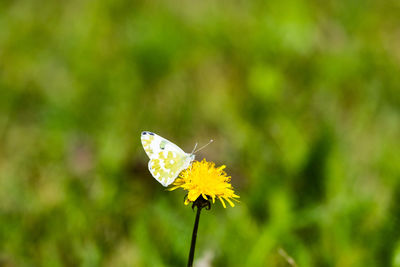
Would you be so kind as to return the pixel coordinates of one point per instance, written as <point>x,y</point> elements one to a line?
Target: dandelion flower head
<point>206,180</point>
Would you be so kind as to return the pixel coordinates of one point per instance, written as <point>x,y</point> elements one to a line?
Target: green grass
<point>302,99</point>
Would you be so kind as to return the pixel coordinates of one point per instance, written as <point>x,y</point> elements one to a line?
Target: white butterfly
<point>167,160</point>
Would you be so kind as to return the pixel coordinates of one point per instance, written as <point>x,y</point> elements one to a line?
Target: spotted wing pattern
<point>167,160</point>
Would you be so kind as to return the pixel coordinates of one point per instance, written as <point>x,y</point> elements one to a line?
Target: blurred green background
<point>301,97</point>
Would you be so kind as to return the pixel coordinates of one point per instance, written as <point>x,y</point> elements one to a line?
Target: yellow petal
<point>222,201</point>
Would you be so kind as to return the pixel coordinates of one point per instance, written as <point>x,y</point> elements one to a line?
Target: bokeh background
<point>301,97</point>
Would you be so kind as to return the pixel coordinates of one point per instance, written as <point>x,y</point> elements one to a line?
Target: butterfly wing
<point>153,144</point>
<point>167,160</point>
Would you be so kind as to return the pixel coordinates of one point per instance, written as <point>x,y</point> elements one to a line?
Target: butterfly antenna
<point>204,146</point>
<point>193,151</point>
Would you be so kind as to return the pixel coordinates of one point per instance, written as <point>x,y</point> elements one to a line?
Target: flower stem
<point>194,236</point>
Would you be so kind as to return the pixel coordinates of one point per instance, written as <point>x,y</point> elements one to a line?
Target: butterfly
<point>167,160</point>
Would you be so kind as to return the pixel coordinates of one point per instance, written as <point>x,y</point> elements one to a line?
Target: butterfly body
<point>167,160</point>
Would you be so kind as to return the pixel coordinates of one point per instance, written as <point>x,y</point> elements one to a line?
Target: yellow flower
<point>204,179</point>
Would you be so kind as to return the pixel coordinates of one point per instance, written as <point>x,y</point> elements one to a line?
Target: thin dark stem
<point>194,236</point>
